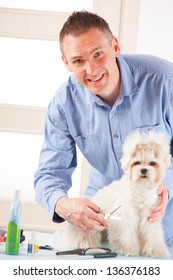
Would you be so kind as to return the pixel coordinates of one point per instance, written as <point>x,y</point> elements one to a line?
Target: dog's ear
<point>125,161</point>
<point>167,160</point>
<point>129,147</point>
<point>162,144</point>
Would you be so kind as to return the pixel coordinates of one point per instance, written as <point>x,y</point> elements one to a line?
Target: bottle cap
<point>17,194</point>
<point>33,235</point>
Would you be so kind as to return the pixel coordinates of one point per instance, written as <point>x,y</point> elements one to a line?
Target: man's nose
<point>90,67</point>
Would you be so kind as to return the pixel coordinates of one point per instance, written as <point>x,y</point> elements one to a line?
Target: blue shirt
<point>78,117</point>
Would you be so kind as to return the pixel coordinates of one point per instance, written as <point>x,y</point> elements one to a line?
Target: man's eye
<point>97,54</point>
<point>77,61</point>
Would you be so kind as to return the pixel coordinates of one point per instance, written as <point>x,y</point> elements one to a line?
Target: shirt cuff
<point>57,219</point>
<point>52,203</point>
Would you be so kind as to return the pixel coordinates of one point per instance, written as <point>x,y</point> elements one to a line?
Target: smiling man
<point>92,60</point>
<point>107,96</point>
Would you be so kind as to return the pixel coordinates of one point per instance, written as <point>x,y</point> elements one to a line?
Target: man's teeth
<point>96,79</point>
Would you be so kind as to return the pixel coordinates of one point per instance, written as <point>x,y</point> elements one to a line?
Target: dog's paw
<point>126,250</point>
<point>129,252</point>
<point>160,251</point>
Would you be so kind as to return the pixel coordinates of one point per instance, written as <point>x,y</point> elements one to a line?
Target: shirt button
<point>116,136</point>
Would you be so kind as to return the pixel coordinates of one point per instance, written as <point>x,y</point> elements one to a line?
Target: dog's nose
<point>144,171</point>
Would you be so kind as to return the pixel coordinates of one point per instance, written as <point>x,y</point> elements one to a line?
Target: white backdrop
<point>155,34</point>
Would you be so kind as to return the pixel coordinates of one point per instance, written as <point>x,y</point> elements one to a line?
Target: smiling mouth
<point>96,79</point>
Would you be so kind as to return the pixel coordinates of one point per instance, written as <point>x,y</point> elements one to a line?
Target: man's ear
<point>116,46</point>
<point>66,63</point>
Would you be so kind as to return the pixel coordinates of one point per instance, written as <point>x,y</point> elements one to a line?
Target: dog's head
<point>146,156</point>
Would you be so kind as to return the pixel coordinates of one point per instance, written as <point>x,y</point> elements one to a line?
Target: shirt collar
<point>91,98</point>
<point>128,84</point>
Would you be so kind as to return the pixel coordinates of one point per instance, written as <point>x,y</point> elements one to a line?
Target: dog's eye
<point>137,163</point>
<point>152,163</point>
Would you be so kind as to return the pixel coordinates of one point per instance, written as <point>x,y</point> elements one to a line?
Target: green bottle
<point>13,231</point>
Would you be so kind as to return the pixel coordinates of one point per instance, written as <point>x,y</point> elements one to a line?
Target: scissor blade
<point>111,213</point>
<point>71,252</point>
<point>115,218</point>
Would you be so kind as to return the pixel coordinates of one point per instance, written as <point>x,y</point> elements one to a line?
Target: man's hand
<point>158,212</point>
<point>81,212</point>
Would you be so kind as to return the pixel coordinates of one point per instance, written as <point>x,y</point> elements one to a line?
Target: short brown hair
<point>80,22</point>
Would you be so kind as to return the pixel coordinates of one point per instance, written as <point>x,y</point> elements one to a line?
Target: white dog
<point>146,156</point>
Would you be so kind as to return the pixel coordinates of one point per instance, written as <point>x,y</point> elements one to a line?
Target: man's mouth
<point>98,78</point>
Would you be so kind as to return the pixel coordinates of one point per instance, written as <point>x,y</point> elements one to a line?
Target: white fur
<point>134,235</point>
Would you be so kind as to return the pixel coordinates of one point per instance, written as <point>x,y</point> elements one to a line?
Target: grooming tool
<point>33,244</point>
<point>22,237</point>
<point>2,232</point>
<point>13,232</point>
<point>2,238</point>
<point>88,251</point>
<point>46,247</point>
<point>109,215</point>
<point>105,255</point>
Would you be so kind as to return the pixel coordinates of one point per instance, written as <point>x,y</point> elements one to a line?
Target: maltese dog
<point>146,156</point>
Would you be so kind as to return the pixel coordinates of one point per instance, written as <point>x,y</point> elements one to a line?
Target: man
<point>107,96</point>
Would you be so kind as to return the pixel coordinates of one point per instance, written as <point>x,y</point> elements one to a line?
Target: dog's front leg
<point>123,239</point>
<point>152,240</point>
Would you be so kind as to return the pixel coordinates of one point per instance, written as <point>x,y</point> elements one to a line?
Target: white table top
<point>51,239</point>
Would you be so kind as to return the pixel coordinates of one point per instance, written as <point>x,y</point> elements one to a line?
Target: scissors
<point>109,214</point>
<point>96,252</point>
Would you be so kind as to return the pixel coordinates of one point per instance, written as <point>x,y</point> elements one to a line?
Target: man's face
<point>91,57</point>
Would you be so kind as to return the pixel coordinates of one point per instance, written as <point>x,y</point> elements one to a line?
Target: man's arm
<point>81,212</point>
<point>159,211</point>
<point>57,160</point>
